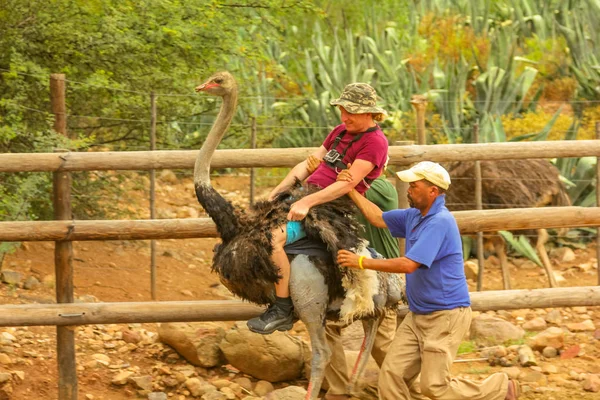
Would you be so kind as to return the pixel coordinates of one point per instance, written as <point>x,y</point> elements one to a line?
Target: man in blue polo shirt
<point>418,362</point>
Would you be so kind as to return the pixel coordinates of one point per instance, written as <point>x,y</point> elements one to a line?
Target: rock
<point>244,382</point>
<point>534,377</point>
<point>549,369</point>
<point>536,324</point>
<point>102,358</point>
<point>549,352</point>
<point>228,392</point>
<point>512,372</point>
<point>263,388</point>
<point>275,357</point>
<point>526,357</point>
<point>551,337</point>
<point>157,396</point>
<point>142,382</point>
<point>121,378</point>
<point>562,254</point>
<point>471,270</point>
<point>130,336</point>
<point>220,383</point>
<point>198,387</point>
<point>31,283</point>
<point>584,326</point>
<point>216,395</point>
<point>554,317</point>
<point>492,330</point>
<point>592,383</point>
<point>5,377</point>
<point>571,352</point>
<point>168,176</point>
<point>288,393</point>
<point>492,262</point>
<point>10,277</point>
<point>5,359</point>
<point>197,342</point>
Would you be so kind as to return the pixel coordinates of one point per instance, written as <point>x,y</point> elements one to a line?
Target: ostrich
<point>319,288</point>
<point>509,184</point>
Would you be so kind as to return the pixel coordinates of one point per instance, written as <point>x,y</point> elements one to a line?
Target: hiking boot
<point>276,318</point>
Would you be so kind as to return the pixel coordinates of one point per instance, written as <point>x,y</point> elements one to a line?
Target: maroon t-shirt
<point>372,147</point>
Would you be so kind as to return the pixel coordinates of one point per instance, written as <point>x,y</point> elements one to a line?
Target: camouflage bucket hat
<point>359,98</point>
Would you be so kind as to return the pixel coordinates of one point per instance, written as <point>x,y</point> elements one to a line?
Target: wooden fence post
<point>401,188</point>
<point>152,195</point>
<point>420,103</point>
<point>63,252</point>
<point>598,205</point>
<point>479,206</point>
<point>253,170</point>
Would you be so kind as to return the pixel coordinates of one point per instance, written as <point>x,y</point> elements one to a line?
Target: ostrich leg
<point>370,327</point>
<point>309,294</point>
<point>541,249</point>
<point>500,248</point>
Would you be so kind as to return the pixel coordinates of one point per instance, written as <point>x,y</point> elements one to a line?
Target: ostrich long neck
<point>202,165</point>
<point>219,209</point>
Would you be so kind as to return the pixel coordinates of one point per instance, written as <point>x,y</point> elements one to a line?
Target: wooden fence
<point>64,230</point>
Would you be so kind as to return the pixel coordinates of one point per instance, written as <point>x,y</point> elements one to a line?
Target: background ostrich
<point>318,287</point>
<point>509,184</point>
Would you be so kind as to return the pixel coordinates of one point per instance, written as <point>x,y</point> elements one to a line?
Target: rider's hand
<point>345,175</point>
<point>312,163</point>
<point>298,211</point>
<point>348,259</point>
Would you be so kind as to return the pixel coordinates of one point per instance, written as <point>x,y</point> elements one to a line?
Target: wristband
<point>360,260</point>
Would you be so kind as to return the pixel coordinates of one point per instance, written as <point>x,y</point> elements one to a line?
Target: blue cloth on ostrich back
<point>295,231</point>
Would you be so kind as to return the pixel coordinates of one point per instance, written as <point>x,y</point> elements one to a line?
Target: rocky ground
<point>554,353</point>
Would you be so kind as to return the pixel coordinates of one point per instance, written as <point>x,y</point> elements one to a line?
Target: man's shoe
<point>274,319</point>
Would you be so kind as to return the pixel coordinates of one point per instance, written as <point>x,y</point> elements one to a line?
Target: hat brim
<point>408,176</point>
<point>354,108</point>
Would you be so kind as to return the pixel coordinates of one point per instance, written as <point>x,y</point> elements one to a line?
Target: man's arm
<point>370,210</point>
<point>359,170</point>
<point>405,265</point>
<point>300,172</point>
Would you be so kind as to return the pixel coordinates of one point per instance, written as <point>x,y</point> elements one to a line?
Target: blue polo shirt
<point>434,242</point>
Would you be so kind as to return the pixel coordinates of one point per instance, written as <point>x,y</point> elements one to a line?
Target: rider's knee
<point>279,237</point>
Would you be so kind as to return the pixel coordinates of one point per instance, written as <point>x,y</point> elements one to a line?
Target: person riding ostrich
<point>319,288</point>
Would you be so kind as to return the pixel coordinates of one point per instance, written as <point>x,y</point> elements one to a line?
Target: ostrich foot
<point>277,318</point>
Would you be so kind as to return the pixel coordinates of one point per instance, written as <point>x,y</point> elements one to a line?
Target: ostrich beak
<point>206,86</point>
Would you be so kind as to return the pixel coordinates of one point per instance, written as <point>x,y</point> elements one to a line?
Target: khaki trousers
<point>336,373</point>
<point>418,362</point>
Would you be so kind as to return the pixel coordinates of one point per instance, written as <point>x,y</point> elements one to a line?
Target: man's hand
<point>345,175</point>
<point>312,163</point>
<point>299,210</point>
<point>347,259</point>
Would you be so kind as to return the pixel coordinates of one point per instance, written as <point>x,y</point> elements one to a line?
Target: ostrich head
<point>220,84</point>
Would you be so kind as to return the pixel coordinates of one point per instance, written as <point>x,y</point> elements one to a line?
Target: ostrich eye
<point>219,81</point>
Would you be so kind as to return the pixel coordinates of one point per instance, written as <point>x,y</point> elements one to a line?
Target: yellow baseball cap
<point>430,171</point>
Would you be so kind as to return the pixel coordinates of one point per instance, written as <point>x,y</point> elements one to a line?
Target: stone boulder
<point>275,357</point>
<point>490,330</point>
<point>197,342</point>
<point>551,337</point>
<point>288,393</point>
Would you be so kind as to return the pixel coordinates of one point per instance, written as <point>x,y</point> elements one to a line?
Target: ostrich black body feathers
<point>243,259</point>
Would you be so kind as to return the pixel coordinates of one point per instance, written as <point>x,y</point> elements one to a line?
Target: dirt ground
<point>119,271</point>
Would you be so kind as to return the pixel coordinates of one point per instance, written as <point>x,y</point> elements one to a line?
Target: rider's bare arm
<point>300,172</point>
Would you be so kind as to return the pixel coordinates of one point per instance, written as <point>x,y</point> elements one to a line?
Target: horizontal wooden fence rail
<point>468,222</point>
<point>233,310</point>
<point>256,158</point>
